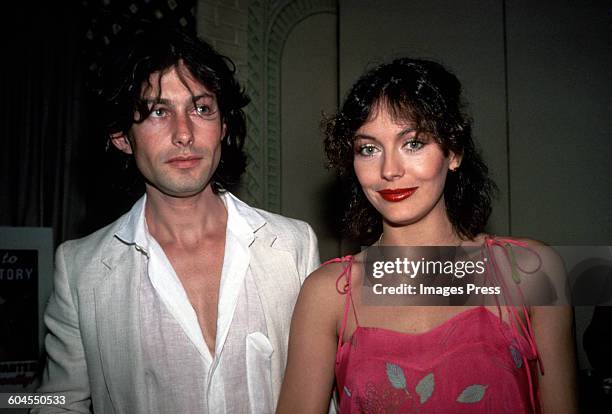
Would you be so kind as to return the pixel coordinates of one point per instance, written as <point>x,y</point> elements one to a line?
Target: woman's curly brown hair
<point>427,95</point>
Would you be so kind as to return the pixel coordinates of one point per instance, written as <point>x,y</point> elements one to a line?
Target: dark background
<point>55,168</point>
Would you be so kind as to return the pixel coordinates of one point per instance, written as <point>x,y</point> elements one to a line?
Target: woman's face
<point>401,172</point>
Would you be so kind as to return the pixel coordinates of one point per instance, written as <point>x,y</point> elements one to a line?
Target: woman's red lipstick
<point>397,194</point>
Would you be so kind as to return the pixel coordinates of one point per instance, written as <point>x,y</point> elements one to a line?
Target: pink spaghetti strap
<point>504,243</point>
<point>514,318</point>
<point>345,290</point>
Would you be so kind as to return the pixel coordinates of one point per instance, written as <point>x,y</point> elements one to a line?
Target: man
<point>184,303</point>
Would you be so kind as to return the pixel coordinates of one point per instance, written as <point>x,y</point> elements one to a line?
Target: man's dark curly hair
<point>153,48</point>
<point>428,96</point>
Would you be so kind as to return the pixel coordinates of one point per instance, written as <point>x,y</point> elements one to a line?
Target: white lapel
<point>278,284</point>
<point>118,327</point>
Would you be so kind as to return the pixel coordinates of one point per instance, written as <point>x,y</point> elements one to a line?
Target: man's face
<point>178,147</point>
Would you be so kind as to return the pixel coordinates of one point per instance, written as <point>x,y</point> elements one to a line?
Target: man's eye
<point>203,109</point>
<point>367,150</point>
<point>158,112</point>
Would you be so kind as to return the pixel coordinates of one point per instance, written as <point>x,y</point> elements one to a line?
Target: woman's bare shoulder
<point>328,272</point>
<point>529,241</point>
<point>549,257</point>
<point>324,286</point>
<point>539,269</point>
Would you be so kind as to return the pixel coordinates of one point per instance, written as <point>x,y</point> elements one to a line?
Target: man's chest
<point>199,272</point>
<point>198,269</point>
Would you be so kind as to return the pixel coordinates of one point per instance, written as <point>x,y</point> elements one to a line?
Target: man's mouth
<point>184,161</point>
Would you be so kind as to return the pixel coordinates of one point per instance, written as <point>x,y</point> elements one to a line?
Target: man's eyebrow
<point>149,101</point>
<point>203,95</point>
<point>163,101</point>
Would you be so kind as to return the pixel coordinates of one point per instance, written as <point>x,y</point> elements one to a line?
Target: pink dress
<point>473,363</point>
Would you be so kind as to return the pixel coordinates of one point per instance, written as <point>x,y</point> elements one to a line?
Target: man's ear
<point>122,142</point>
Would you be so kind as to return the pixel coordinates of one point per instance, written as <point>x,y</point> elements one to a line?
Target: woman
<point>404,146</point>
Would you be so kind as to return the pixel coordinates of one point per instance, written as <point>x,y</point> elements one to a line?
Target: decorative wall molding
<point>270,24</point>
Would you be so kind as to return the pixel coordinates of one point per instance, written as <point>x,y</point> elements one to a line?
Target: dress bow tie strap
<point>346,274</point>
<point>506,245</point>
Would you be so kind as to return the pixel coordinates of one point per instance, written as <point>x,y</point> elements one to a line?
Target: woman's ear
<point>454,161</point>
<point>122,142</point>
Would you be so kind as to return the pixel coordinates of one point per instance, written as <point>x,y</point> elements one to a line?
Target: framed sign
<point>26,280</point>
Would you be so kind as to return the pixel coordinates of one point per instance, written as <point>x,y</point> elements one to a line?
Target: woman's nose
<point>392,167</point>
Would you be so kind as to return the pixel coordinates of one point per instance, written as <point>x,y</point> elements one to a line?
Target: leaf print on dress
<point>396,376</point>
<point>517,356</point>
<point>472,394</point>
<point>425,387</point>
<point>347,392</point>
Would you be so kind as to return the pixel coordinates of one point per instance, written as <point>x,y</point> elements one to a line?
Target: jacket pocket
<point>259,376</point>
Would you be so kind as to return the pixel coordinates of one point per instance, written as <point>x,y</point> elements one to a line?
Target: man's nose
<point>183,130</point>
<point>392,167</point>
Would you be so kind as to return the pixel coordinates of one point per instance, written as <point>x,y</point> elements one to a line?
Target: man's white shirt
<point>237,377</point>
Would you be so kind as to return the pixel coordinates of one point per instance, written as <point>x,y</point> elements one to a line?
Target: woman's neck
<point>435,229</point>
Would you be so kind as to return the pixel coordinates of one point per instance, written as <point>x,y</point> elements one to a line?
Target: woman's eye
<point>414,145</point>
<point>367,150</point>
